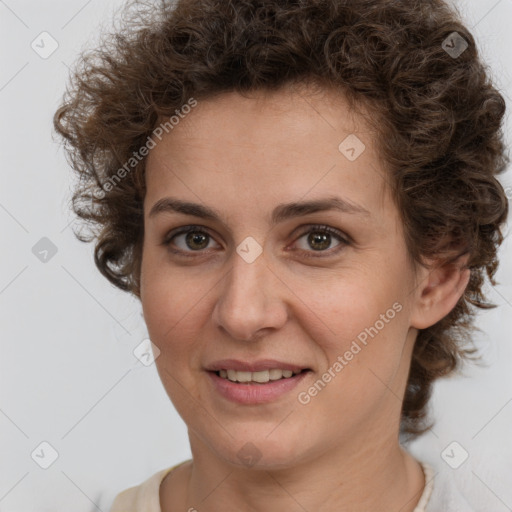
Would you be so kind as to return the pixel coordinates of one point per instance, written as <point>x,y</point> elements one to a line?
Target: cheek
<point>172,306</point>
<point>168,293</point>
<point>361,322</point>
<point>172,312</point>
<point>342,308</point>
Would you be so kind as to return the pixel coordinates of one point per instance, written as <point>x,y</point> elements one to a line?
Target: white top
<point>439,494</point>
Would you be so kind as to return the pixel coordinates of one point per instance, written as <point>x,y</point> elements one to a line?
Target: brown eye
<point>196,240</point>
<point>319,241</point>
<point>188,240</point>
<point>320,238</point>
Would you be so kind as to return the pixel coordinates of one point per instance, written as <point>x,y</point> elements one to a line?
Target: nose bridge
<point>248,300</point>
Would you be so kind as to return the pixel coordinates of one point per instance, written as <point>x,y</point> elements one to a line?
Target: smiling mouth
<point>261,377</point>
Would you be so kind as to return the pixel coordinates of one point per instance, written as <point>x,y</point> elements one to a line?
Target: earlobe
<point>439,291</point>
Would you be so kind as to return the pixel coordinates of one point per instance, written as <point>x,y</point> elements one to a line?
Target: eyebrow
<point>280,213</point>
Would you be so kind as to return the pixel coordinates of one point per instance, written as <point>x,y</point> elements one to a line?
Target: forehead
<point>262,113</point>
<point>283,142</point>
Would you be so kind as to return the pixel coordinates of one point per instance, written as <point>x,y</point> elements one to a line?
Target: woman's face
<point>262,286</point>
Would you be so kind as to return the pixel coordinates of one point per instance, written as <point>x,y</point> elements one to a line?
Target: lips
<point>253,393</point>
<point>250,383</point>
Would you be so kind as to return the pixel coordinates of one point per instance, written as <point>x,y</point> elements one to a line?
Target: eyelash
<point>317,228</point>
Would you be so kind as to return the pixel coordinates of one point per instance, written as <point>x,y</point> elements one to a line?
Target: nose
<point>251,302</point>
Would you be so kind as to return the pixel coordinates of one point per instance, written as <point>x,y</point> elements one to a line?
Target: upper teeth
<point>262,377</point>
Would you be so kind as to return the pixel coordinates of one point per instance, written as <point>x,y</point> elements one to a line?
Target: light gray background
<point>68,375</point>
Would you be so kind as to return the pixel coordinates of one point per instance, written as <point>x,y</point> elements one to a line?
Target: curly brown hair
<point>437,115</point>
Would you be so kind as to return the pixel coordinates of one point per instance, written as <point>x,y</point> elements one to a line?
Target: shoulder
<point>445,494</point>
<point>141,498</point>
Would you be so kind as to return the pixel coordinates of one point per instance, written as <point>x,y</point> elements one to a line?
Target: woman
<point>303,196</point>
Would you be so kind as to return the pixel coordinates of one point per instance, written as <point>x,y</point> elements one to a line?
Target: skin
<point>243,156</point>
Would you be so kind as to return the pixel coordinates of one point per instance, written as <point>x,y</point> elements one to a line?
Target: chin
<point>259,452</point>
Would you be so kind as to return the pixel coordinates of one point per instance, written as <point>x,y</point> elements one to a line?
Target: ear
<point>438,291</point>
